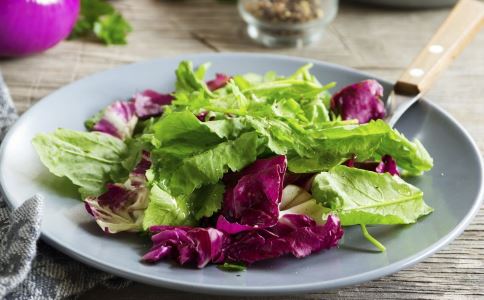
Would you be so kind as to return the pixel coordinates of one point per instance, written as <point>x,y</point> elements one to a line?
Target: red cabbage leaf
<point>122,206</point>
<point>150,103</point>
<point>361,101</point>
<point>252,195</point>
<point>294,234</point>
<point>187,245</point>
<point>118,119</point>
<point>386,165</point>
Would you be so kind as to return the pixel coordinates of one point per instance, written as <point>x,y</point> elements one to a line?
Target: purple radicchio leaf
<point>122,206</point>
<point>294,234</point>
<point>118,119</point>
<point>201,116</point>
<point>143,165</point>
<point>219,82</point>
<point>252,195</point>
<point>198,246</point>
<point>386,165</point>
<point>361,101</point>
<point>231,228</point>
<point>150,103</point>
<point>303,180</point>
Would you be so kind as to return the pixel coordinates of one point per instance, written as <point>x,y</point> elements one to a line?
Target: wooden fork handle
<point>464,21</point>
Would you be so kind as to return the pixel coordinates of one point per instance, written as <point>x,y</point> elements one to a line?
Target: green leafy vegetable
<point>207,200</point>
<point>410,156</point>
<point>101,19</point>
<point>89,123</point>
<point>88,159</point>
<point>333,145</point>
<point>232,267</point>
<point>185,175</point>
<point>365,197</point>
<point>112,29</point>
<point>181,134</point>
<point>371,239</point>
<point>188,80</point>
<point>164,209</point>
<point>291,114</point>
<point>316,111</point>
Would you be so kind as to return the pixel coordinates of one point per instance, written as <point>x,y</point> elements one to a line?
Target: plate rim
<point>247,290</point>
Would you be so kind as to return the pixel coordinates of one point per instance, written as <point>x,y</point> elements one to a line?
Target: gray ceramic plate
<point>453,188</point>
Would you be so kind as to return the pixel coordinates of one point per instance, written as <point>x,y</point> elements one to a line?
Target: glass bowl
<point>287,23</point>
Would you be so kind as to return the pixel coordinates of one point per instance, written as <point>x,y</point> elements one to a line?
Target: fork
<point>460,27</point>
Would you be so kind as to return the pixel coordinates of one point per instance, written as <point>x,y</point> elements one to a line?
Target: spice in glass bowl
<point>290,11</point>
<point>287,22</point>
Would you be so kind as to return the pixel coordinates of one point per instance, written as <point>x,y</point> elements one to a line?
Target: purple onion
<point>31,26</point>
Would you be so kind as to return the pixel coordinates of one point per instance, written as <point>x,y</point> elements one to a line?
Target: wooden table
<point>376,40</point>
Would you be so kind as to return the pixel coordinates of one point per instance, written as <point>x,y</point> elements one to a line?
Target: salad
<point>241,168</point>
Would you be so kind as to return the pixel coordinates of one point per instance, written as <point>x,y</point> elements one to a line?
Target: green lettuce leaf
<point>88,159</point>
<point>333,145</point>
<point>181,134</point>
<point>164,209</point>
<point>188,80</point>
<point>412,157</point>
<point>364,197</point>
<point>291,114</point>
<point>208,167</point>
<point>206,200</point>
<point>316,111</point>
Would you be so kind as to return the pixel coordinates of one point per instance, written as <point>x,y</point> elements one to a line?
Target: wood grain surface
<point>376,40</point>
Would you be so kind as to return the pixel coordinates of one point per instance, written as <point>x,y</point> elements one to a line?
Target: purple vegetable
<point>298,235</point>
<point>121,207</point>
<point>361,101</point>
<point>304,180</point>
<point>118,119</point>
<point>150,103</point>
<point>252,195</point>
<point>187,245</point>
<point>28,27</point>
<point>219,82</point>
<point>201,116</point>
<point>387,165</point>
<point>143,165</point>
<point>231,228</point>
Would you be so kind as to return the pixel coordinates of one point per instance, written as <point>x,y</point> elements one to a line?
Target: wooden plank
<point>375,40</point>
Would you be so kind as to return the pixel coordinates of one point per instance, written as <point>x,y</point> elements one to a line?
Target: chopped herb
<point>232,267</point>
<point>100,19</point>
